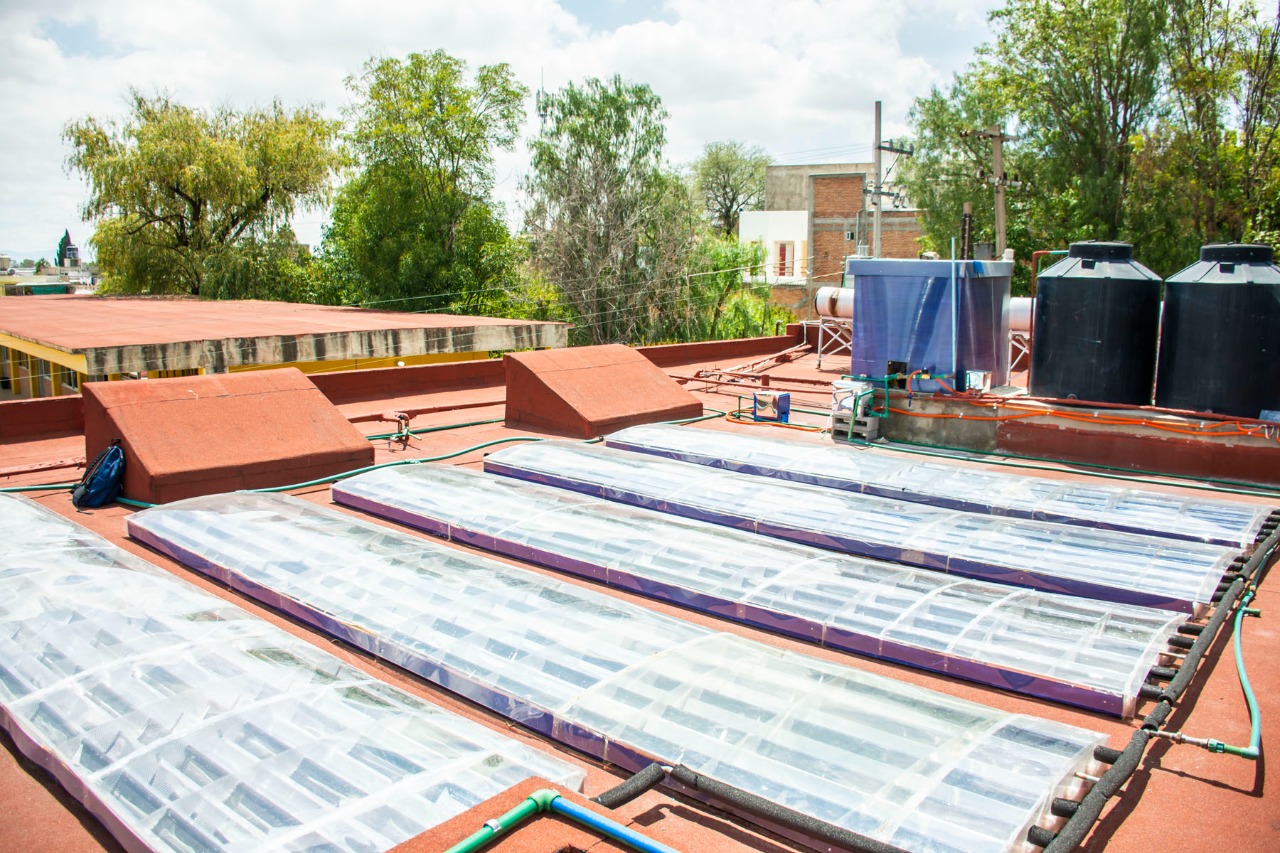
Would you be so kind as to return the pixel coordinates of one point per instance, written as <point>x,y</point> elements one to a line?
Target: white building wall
<point>785,237</point>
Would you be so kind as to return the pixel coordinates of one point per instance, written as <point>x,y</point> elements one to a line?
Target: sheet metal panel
<point>899,763</point>
<point>872,471</point>
<point>1100,564</point>
<point>184,723</point>
<point>1087,653</point>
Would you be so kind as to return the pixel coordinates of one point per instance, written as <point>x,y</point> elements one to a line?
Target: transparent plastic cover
<point>1101,564</point>
<point>1089,653</point>
<point>185,723</point>
<point>879,472</point>
<point>899,763</point>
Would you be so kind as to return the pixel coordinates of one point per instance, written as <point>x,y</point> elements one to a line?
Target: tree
<point>729,177</point>
<point>417,222</point>
<point>1082,78</point>
<point>171,186</point>
<point>601,213</point>
<point>62,248</point>
<point>949,167</point>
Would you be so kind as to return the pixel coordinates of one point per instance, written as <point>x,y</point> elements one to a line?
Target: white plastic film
<point>900,763</point>
<point>186,724</point>
<point>1090,653</point>
<point>874,471</point>
<point>1101,564</point>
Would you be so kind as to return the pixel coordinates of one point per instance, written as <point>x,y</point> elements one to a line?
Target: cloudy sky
<point>797,77</point>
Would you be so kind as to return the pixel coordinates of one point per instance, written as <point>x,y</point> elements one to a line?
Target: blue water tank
<point>940,317</point>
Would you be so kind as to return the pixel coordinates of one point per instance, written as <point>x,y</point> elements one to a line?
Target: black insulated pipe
<point>625,792</point>
<point>1040,837</point>
<point>1125,763</point>
<point>1071,834</point>
<point>1150,691</point>
<point>1181,642</point>
<point>1106,755</point>
<point>1162,673</point>
<point>780,815</point>
<point>1062,807</point>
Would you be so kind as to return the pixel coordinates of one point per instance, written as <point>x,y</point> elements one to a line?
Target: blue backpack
<point>102,479</point>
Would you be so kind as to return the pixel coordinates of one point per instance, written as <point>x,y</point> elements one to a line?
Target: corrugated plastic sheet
<point>1101,564</point>
<point>1087,653</point>
<point>873,471</point>
<point>938,483</point>
<point>898,763</point>
<point>186,724</point>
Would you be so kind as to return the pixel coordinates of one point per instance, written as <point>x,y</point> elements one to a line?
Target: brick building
<point>835,222</point>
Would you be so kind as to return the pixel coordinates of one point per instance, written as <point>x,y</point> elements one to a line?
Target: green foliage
<point>729,177</point>
<point>1080,77</point>
<point>1197,167</point>
<point>625,240</point>
<point>62,248</point>
<point>605,220</point>
<point>415,228</point>
<point>171,186</point>
<point>1153,122</point>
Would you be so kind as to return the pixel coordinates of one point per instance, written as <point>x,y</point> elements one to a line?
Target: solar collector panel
<point>658,688</point>
<point>874,471</point>
<point>1069,649</point>
<point>184,723</point>
<point>1101,564</point>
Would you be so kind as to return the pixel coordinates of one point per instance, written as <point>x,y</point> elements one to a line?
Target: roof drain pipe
<point>547,800</point>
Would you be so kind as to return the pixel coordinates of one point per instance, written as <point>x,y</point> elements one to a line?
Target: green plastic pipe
<point>442,428</point>
<point>1254,749</point>
<point>547,800</point>
<point>492,829</point>
<point>46,487</point>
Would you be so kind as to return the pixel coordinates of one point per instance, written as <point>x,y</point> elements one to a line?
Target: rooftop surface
<point>75,323</point>
<point>1180,798</point>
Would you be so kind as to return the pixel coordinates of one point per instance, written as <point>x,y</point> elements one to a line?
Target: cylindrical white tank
<point>1019,313</point>
<point>834,302</point>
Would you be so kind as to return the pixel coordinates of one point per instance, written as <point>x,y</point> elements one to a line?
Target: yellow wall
<point>366,363</point>
<point>20,349</point>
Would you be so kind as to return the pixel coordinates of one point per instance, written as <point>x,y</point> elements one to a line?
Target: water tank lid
<point>1236,253</point>
<point>1098,250</point>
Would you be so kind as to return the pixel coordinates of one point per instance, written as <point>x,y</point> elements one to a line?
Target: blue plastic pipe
<point>608,828</point>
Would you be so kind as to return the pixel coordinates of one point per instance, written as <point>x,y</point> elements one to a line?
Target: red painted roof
<point>1181,798</point>
<point>80,322</point>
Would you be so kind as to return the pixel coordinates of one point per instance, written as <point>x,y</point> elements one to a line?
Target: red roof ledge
<point>589,391</point>
<point>200,435</point>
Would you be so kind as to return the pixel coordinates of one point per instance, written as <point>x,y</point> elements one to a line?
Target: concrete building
<point>828,219</point>
<point>49,345</point>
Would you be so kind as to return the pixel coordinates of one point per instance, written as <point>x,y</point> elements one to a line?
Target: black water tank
<point>1097,317</point>
<point>1220,337</point>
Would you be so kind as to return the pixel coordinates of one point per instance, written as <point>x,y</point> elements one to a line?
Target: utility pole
<point>875,198</point>
<point>876,190</point>
<point>997,177</point>
<point>997,138</point>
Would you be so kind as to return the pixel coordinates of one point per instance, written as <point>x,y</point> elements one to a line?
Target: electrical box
<point>768,406</point>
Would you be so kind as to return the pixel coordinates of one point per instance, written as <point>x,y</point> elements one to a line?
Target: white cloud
<point>796,77</point>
